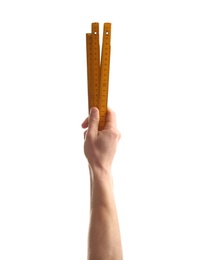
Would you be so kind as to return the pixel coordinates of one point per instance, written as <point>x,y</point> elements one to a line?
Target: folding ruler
<point>98,70</point>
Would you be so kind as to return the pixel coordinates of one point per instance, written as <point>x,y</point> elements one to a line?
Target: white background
<point>160,82</point>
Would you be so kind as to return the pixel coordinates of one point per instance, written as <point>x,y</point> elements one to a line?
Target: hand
<point>100,146</point>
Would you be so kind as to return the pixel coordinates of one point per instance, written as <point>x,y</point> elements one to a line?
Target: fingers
<point>110,119</point>
<point>85,123</point>
<point>93,122</point>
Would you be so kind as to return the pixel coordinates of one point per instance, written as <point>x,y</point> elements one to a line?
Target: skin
<point>104,240</point>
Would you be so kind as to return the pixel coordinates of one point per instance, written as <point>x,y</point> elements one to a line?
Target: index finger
<point>110,119</point>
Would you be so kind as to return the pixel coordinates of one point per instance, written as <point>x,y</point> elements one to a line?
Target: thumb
<point>93,122</point>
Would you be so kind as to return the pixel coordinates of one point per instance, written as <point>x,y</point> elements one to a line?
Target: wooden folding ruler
<point>98,70</point>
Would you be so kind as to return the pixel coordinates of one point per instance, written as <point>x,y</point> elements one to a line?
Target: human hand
<point>100,146</point>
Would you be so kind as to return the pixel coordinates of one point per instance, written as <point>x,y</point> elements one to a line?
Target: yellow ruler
<point>98,69</point>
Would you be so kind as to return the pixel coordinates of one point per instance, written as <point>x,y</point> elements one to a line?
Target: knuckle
<point>115,134</point>
<point>93,120</point>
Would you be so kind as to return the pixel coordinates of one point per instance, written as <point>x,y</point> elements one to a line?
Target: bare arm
<point>104,240</point>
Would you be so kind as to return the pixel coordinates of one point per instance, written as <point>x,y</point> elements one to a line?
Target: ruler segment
<point>95,65</point>
<point>89,67</point>
<point>104,74</point>
<point>98,70</point>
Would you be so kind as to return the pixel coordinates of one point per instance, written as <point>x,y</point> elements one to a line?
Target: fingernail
<point>93,110</point>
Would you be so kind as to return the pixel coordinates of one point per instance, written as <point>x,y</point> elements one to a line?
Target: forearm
<point>104,234</point>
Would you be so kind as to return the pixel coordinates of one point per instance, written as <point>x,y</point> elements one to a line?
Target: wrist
<point>102,188</point>
<point>100,171</point>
